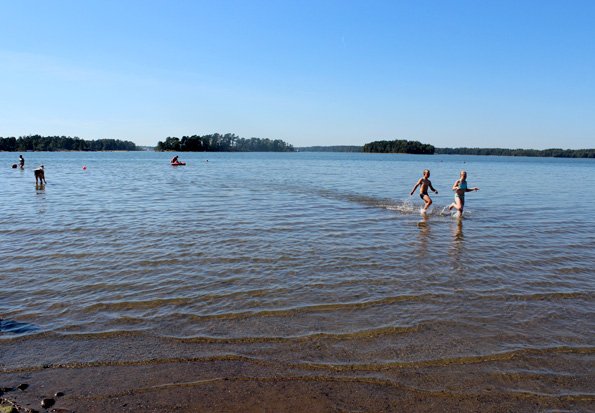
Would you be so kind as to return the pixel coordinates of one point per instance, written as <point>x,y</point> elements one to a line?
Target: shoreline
<point>137,372</point>
<point>222,386</point>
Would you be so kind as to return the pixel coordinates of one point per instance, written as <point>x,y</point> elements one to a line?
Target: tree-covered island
<point>222,143</point>
<point>62,143</point>
<point>399,146</point>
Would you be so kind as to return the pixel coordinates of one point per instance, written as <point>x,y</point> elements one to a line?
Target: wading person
<point>39,175</point>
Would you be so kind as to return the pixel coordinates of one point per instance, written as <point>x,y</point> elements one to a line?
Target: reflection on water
<point>457,245</point>
<point>41,204</point>
<point>424,237</point>
<point>458,233</point>
<point>318,258</point>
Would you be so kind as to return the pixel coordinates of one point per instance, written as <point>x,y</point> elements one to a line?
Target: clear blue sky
<point>450,73</point>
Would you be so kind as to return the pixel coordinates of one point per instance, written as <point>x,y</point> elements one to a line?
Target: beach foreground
<point>182,376</point>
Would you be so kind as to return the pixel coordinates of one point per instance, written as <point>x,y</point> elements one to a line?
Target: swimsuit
<point>463,187</point>
<point>422,194</point>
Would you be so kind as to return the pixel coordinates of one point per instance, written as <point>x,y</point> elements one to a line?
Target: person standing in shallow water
<point>424,183</point>
<point>460,188</point>
<point>21,162</point>
<point>39,176</point>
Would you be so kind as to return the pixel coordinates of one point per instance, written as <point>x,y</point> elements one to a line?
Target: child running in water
<point>460,188</point>
<point>424,183</point>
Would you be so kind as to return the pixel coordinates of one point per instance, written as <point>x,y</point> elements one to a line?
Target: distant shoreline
<point>590,152</point>
<point>537,153</point>
<point>533,153</point>
<point>38,143</point>
<point>83,151</point>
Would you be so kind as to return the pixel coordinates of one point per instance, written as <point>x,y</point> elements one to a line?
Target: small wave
<point>552,296</point>
<point>462,360</point>
<point>288,312</point>
<point>315,336</point>
<point>128,363</point>
<point>16,327</point>
<point>135,305</point>
<point>139,334</point>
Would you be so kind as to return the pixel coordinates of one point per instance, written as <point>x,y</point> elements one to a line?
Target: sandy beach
<point>181,376</point>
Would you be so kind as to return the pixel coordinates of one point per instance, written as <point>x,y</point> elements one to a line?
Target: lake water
<point>321,259</point>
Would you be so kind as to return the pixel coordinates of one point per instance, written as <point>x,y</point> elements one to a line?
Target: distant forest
<point>335,148</point>
<point>415,147</point>
<point>62,143</point>
<point>223,143</point>
<point>399,146</point>
<point>548,153</point>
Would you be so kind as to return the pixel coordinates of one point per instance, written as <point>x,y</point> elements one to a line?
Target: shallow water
<point>305,248</point>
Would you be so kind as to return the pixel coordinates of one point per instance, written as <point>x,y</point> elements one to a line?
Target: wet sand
<point>191,376</point>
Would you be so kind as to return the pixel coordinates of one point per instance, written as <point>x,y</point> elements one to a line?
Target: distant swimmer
<point>21,162</point>
<point>40,175</point>
<point>424,183</point>
<point>460,187</point>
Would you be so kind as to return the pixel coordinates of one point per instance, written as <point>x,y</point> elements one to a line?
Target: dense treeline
<point>223,143</point>
<point>62,143</point>
<point>399,146</point>
<point>335,148</point>
<point>550,153</point>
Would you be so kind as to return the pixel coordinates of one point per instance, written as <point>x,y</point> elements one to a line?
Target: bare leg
<point>460,203</point>
<point>428,202</point>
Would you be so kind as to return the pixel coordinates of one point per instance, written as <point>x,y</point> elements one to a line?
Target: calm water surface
<point>304,248</point>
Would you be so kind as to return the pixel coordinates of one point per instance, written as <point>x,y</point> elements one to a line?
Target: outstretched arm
<point>472,189</point>
<point>432,188</point>
<point>415,187</point>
